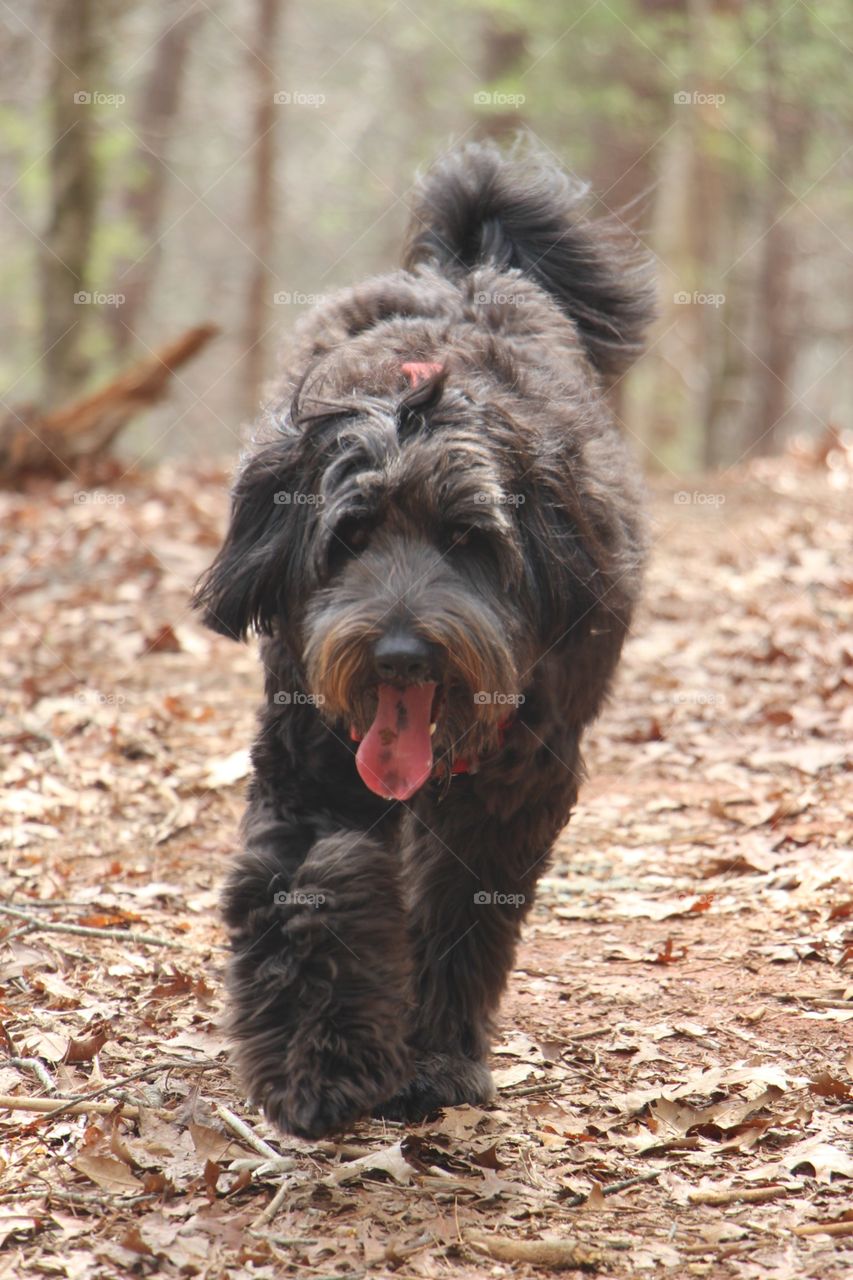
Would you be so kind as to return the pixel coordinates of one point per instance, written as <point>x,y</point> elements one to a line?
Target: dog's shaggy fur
<point>461,541</point>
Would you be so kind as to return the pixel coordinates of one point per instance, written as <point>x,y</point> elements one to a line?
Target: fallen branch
<point>20,1102</point>
<point>85,1100</point>
<point>56,443</point>
<point>734,1195</point>
<point>555,1255</point>
<point>87,931</point>
<point>825,1229</point>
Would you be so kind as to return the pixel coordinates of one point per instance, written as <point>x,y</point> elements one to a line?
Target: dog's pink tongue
<point>395,756</point>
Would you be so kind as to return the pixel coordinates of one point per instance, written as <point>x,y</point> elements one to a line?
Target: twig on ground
<point>20,1102</point>
<point>748,1195</point>
<point>248,1135</point>
<point>825,1229</point>
<point>88,931</point>
<point>38,1069</point>
<point>579,1198</point>
<point>83,1099</point>
<point>556,1255</point>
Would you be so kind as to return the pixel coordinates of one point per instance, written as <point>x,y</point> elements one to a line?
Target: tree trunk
<point>261,213</point>
<point>67,239</point>
<point>776,329</point>
<point>143,204</point>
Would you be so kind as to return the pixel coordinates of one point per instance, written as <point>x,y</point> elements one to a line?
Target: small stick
<point>242,1130</point>
<point>38,1069</point>
<point>172,1064</point>
<point>825,1229</point>
<point>19,1102</point>
<point>88,931</point>
<point>556,1255</point>
<point>749,1195</point>
<point>576,1200</point>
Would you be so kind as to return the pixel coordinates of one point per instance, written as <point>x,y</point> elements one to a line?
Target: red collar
<point>462,765</point>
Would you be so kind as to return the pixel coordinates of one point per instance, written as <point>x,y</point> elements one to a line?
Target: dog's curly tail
<point>478,206</point>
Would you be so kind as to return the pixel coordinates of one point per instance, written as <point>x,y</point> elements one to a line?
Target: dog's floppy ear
<point>564,556</point>
<point>245,586</point>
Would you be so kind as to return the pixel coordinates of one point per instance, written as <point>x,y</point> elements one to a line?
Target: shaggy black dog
<point>439,537</point>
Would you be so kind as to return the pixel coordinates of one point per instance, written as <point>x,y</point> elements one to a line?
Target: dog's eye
<point>352,536</point>
<point>457,536</point>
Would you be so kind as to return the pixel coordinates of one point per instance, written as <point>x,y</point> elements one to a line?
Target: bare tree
<point>66,243</point>
<point>144,202</point>
<point>261,212</point>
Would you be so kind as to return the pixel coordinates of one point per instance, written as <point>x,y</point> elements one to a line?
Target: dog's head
<point>412,554</point>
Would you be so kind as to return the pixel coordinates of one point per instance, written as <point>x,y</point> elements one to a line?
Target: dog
<point>438,535</point>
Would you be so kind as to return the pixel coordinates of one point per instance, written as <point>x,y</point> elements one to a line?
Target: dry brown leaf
<point>112,1175</point>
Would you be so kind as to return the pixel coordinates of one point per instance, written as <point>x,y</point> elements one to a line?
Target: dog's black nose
<point>402,656</point>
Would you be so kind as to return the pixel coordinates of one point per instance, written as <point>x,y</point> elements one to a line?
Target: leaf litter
<point>674,1055</point>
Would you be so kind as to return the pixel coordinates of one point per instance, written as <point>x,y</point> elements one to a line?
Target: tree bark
<point>143,204</point>
<point>776,327</point>
<point>261,212</point>
<point>67,239</point>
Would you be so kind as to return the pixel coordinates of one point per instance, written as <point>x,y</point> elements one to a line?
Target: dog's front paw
<point>313,1094</point>
<point>441,1080</point>
<point>313,1112</point>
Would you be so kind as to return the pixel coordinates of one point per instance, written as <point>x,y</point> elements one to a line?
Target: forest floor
<point>675,1058</point>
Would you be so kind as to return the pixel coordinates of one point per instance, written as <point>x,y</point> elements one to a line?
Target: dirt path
<point>676,1059</point>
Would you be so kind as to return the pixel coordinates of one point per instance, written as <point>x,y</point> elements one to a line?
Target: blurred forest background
<point>174,163</point>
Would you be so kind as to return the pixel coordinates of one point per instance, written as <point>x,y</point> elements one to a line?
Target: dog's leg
<point>470,878</point>
<point>319,974</point>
